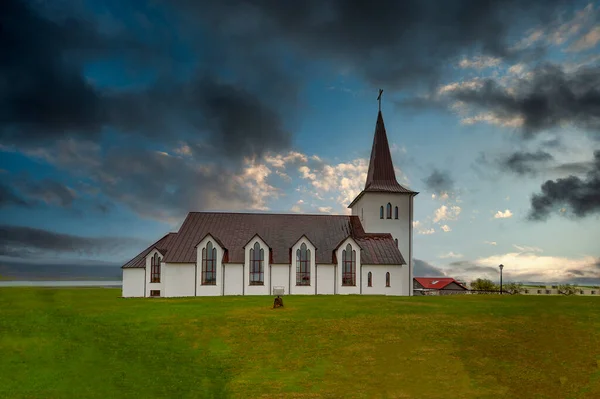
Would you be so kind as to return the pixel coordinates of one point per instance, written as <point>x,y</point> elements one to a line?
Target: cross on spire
<point>379,98</point>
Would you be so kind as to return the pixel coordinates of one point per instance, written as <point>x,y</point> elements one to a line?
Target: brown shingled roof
<point>381,176</point>
<point>280,232</point>
<point>162,245</point>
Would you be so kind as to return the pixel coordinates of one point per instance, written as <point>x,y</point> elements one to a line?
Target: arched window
<point>209,265</point>
<point>257,270</point>
<point>396,213</point>
<point>303,265</point>
<point>155,268</point>
<point>387,279</point>
<point>389,211</point>
<point>396,241</point>
<point>369,279</point>
<point>381,212</point>
<point>349,266</point>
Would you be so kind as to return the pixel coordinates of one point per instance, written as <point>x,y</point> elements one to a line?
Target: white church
<point>226,253</point>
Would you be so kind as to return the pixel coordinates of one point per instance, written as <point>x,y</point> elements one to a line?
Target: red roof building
<point>440,285</point>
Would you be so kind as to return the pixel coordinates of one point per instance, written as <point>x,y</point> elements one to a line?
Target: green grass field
<point>89,343</point>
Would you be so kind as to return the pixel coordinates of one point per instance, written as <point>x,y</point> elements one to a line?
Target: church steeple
<point>381,175</point>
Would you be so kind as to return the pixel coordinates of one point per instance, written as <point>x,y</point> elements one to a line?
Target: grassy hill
<point>89,343</point>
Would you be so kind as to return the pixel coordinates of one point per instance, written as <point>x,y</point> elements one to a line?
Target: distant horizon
<point>112,272</point>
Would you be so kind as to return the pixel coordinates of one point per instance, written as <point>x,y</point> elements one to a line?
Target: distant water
<point>61,283</point>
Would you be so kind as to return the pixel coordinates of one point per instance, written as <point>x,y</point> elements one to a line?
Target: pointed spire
<point>381,169</point>
<point>381,176</point>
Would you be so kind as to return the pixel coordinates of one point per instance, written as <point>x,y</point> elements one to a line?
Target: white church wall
<point>209,289</point>
<point>342,289</point>
<point>303,289</point>
<point>368,210</point>
<point>133,283</point>
<point>325,279</point>
<point>398,280</point>
<point>265,287</point>
<point>280,277</point>
<point>234,279</point>
<point>155,286</point>
<point>179,279</point>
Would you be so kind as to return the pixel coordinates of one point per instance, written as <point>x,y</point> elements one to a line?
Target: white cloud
<point>503,215</point>
<point>324,209</point>
<point>451,255</point>
<point>529,266</point>
<point>446,228</point>
<point>480,62</point>
<point>254,178</point>
<point>280,161</point>
<point>426,231</point>
<point>491,243</point>
<point>346,179</point>
<point>183,149</point>
<point>306,173</point>
<point>517,69</point>
<point>524,249</point>
<point>587,41</point>
<point>464,85</point>
<point>494,119</point>
<point>446,213</point>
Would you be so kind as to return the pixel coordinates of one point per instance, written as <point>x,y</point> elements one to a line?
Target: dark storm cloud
<point>45,96</point>
<point>424,269</point>
<point>47,191</point>
<point>546,100</point>
<point>18,241</point>
<point>165,186</point>
<point>523,163</point>
<point>391,43</point>
<point>439,182</point>
<point>574,168</point>
<point>580,196</point>
<point>8,197</point>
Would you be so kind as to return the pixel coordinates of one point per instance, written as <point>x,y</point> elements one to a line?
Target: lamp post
<point>501,267</point>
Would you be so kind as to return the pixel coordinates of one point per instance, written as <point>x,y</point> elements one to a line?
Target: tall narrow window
<point>257,271</point>
<point>396,241</point>
<point>389,211</point>
<point>155,268</point>
<point>349,266</point>
<point>381,212</point>
<point>387,279</point>
<point>396,213</point>
<point>369,279</point>
<point>209,267</point>
<point>303,265</point>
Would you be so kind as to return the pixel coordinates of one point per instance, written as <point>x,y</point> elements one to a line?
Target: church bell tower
<point>384,206</point>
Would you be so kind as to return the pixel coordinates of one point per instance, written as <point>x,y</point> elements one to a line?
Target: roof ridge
<point>269,213</point>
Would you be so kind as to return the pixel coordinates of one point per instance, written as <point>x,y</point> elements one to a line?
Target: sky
<point>119,117</point>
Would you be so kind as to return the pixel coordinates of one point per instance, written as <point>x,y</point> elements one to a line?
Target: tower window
<point>381,212</point>
<point>396,213</point>
<point>387,279</point>
<point>389,211</point>
<point>396,241</point>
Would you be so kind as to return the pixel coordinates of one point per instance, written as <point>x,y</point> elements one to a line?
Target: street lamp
<point>501,267</point>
